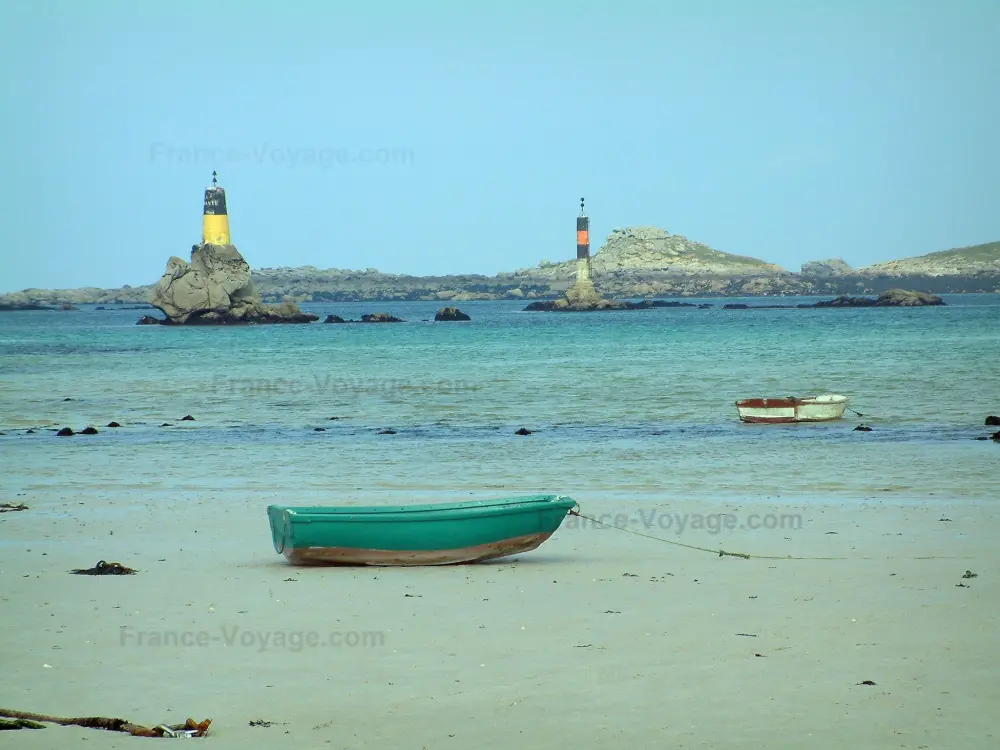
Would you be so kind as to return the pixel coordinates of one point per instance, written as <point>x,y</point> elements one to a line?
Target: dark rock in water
<point>648,304</point>
<point>523,431</point>
<point>334,319</point>
<point>386,432</point>
<point>29,432</point>
<point>450,313</point>
<point>149,320</point>
<point>286,312</point>
<point>333,418</point>
<point>88,431</point>
<point>166,424</point>
<point>862,428</point>
<point>113,424</point>
<point>905,298</point>
<point>380,318</point>
<point>583,305</point>
<point>891,298</point>
<point>319,429</point>
<point>67,399</point>
<point>105,569</point>
<point>992,421</point>
<point>540,306</point>
<point>100,307</point>
<point>705,305</point>
<point>187,418</point>
<point>845,300</point>
<point>996,437</point>
<point>65,432</point>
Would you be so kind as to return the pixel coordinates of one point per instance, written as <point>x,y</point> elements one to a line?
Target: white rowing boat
<point>824,408</point>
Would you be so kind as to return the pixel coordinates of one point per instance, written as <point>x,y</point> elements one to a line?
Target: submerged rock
<point>380,318</point>
<point>992,421</point>
<point>88,431</point>
<point>334,319</point>
<point>65,432</point>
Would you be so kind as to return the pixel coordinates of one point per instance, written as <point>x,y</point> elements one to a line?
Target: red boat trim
<point>769,403</point>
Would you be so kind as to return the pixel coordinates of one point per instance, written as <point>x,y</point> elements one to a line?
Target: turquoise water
<point>625,404</point>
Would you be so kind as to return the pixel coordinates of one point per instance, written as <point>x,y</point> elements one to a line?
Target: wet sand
<point>597,639</point>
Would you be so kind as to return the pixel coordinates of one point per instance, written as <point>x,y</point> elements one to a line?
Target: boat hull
<point>376,557</point>
<point>824,408</point>
<point>439,534</point>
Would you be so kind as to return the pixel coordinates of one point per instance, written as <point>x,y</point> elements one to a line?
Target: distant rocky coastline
<point>639,262</point>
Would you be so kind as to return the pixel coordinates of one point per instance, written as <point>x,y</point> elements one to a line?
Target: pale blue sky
<point>789,131</point>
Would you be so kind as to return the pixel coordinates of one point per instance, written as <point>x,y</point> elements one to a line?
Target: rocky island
<point>215,288</point>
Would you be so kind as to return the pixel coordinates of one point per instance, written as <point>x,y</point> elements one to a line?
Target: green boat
<point>435,534</point>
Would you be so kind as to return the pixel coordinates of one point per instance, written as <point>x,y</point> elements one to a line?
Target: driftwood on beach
<point>26,720</point>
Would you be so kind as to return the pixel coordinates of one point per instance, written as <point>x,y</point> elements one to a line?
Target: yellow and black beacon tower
<point>215,222</point>
<point>582,246</point>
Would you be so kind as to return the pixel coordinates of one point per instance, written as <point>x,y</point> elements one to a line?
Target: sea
<point>625,405</point>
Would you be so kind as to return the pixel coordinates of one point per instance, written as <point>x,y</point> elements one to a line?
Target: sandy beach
<point>598,638</point>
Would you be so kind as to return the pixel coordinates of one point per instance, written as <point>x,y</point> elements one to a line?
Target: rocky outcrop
<point>582,296</point>
<point>825,268</point>
<point>905,298</point>
<point>450,313</point>
<point>215,288</point>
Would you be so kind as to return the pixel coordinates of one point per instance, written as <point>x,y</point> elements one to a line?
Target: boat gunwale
<point>462,509</point>
<point>788,402</point>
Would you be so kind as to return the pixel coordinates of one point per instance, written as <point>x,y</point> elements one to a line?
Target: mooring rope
<point>745,556</point>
